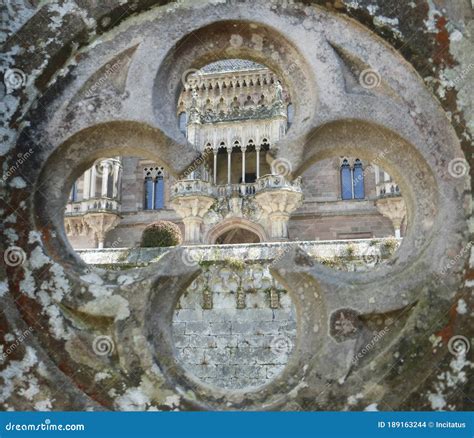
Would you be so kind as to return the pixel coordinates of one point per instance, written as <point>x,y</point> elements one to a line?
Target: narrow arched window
<point>346,180</point>
<point>73,195</point>
<point>290,114</point>
<point>358,176</point>
<point>182,120</point>
<point>159,192</point>
<point>110,185</point>
<point>148,193</point>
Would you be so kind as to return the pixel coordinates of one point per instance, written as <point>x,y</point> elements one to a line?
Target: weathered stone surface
<point>102,339</point>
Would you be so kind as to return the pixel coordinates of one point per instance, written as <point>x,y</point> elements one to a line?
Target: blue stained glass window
<point>290,113</point>
<point>73,196</point>
<point>183,121</point>
<point>346,180</point>
<point>159,193</point>
<point>148,193</point>
<point>358,180</point>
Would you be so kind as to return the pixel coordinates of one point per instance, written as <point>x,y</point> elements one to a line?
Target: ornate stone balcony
<point>92,205</point>
<point>278,197</point>
<point>192,188</point>
<point>192,199</point>
<point>278,182</point>
<point>95,216</point>
<point>387,189</point>
<point>244,189</point>
<point>274,195</point>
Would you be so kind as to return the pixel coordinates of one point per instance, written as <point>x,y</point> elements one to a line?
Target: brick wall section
<point>229,347</point>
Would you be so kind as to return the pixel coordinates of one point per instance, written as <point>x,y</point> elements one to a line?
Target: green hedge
<point>159,234</point>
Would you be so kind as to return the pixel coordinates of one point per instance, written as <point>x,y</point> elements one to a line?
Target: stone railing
<point>247,189</point>
<point>277,182</point>
<point>352,255</point>
<point>192,187</point>
<point>92,205</point>
<point>389,188</point>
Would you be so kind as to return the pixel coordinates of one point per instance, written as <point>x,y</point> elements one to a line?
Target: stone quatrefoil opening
<point>108,335</point>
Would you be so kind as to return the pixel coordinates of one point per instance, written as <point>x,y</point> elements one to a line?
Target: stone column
<point>105,177</point>
<point>395,209</point>
<point>117,176</point>
<point>215,166</point>
<point>192,200</point>
<point>229,164</point>
<point>101,224</point>
<point>93,181</point>
<point>192,209</point>
<point>243,149</point>
<point>278,198</point>
<point>86,188</point>
<point>257,152</point>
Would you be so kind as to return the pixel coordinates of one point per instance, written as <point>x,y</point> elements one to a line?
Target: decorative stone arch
<point>83,149</point>
<point>229,224</point>
<point>341,47</point>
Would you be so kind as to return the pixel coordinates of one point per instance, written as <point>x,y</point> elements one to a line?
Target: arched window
<point>159,192</point>
<point>154,188</point>
<point>352,180</point>
<point>183,120</point>
<point>346,180</point>
<point>358,177</point>
<point>148,193</point>
<point>73,195</point>
<point>290,114</point>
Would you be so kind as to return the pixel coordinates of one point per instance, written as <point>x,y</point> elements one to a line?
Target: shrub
<point>159,234</point>
<point>389,246</point>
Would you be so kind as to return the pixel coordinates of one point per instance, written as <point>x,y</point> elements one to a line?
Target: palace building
<point>234,111</point>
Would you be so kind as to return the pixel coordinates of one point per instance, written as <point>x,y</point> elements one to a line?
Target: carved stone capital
<point>393,208</point>
<point>101,224</point>
<point>277,205</point>
<point>192,209</point>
